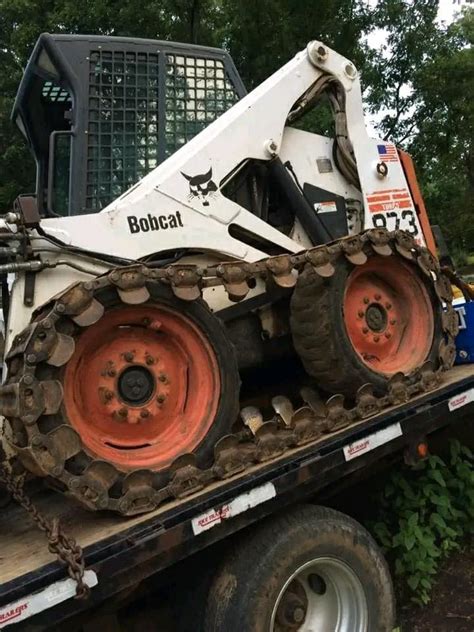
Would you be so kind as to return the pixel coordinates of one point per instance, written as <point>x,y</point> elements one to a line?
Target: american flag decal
<point>389,200</point>
<point>387,153</point>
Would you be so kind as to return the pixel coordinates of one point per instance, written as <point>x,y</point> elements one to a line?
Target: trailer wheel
<point>313,569</point>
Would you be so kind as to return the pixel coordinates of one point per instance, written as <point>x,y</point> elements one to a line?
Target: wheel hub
<point>293,608</point>
<point>388,315</point>
<point>323,594</point>
<point>376,317</point>
<point>142,386</point>
<point>136,385</point>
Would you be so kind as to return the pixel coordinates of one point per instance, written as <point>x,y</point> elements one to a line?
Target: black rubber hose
<point>298,203</point>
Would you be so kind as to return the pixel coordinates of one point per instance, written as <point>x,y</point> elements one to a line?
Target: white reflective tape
<point>368,443</point>
<point>461,400</point>
<point>42,600</point>
<point>241,503</point>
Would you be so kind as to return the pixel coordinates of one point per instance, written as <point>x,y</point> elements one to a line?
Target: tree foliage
<point>443,143</point>
<point>421,80</point>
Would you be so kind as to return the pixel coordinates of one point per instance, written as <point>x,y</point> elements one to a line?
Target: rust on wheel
<point>388,315</point>
<point>142,386</point>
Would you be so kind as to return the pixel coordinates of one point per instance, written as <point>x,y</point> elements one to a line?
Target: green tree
<point>22,21</point>
<point>423,81</point>
<point>264,35</point>
<point>443,144</point>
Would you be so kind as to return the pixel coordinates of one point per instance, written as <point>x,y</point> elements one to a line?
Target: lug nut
<point>365,330</point>
<point>74,483</point>
<point>366,300</point>
<point>111,372</point>
<point>128,356</point>
<point>298,614</point>
<point>376,338</point>
<point>150,360</point>
<point>393,321</point>
<point>377,297</point>
<point>144,413</point>
<point>163,377</point>
<point>109,395</point>
<point>122,412</point>
<point>360,313</point>
<point>161,398</point>
<point>388,305</point>
<point>388,334</point>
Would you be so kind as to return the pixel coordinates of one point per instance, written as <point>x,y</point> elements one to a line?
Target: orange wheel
<point>388,315</point>
<point>365,323</point>
<point>143,386</point>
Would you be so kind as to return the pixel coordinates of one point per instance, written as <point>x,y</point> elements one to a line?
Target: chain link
<point>59,544</point>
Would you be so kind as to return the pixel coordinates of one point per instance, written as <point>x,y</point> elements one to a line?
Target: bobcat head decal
<point>201,186</point>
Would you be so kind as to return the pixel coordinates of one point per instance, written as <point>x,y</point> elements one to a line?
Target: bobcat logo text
<point>154,222</point>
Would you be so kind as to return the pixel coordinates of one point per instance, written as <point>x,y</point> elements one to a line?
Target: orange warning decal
<point>389,200</point>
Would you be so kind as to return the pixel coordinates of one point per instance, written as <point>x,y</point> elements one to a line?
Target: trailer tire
<point>256,589</point>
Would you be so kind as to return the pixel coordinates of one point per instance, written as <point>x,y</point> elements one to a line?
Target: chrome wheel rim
<point>323,595</point>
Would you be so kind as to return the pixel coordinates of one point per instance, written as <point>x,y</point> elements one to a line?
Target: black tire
<point>213,329</point>
<point>320,337</point>
<point>246,588</point>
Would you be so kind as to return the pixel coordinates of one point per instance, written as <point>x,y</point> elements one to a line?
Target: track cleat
<point>235,280</point>
<point>283,408</point>
<point>231,457</point>
<point>138,493</point>
<point>270,443</point>
<point>312,398</point>
<point>380,240</point>
<point>429,378</point>
<point>252,418</point>
<point>338,417</point>
<point>366,401</point>
<point>90,315</point>
<point>397,389</point>
<point>281,268</point>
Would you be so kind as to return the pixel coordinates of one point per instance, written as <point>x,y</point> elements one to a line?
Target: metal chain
<point>59,544</point>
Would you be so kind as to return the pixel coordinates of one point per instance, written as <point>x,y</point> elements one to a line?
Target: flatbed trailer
<point>119,552</point>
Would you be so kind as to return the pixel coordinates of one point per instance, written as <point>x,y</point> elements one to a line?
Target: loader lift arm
<point>257,129</point>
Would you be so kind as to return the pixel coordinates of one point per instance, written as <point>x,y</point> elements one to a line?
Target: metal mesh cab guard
<point>100,112</point>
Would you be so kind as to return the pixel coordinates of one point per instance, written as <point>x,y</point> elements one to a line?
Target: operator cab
<point>99,113</point>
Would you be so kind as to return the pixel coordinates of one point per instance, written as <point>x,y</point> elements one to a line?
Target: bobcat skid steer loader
<point>260,287</point>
